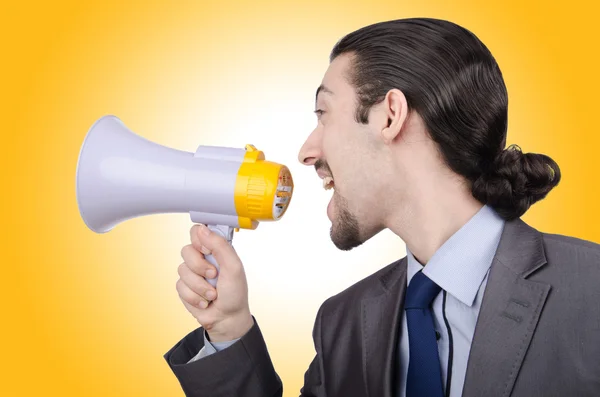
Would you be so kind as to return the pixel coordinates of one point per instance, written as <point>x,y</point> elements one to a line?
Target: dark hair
<point>453,82</point>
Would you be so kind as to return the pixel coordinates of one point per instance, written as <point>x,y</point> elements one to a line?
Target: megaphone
<point>121,175</point>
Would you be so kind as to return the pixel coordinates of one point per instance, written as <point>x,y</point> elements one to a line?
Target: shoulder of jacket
<point>577,249</point>
<point>350,296</point>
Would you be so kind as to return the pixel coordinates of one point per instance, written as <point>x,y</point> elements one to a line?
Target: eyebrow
<point>324,89</point>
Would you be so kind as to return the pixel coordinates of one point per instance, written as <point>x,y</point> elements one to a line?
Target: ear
<point>396,111</point>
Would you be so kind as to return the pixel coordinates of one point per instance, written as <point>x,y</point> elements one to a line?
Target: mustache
<point>322,164</point>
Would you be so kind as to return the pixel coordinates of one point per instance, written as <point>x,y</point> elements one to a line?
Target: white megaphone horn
<point>121,175</point>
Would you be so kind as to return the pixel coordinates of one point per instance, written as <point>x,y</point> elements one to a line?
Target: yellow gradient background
<point>91,315</point>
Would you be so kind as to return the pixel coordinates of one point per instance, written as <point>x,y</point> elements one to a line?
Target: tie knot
<point>421,292</point>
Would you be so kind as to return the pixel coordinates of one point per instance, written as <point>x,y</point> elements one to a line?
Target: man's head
<point>405,107</point>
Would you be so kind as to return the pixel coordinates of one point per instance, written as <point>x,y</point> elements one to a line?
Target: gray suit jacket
<point>538,332</point>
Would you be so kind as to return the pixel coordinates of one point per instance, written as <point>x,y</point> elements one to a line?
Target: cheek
<point>350,155</point>
<point>353,180</point>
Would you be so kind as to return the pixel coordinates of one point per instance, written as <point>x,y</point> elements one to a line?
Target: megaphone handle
<point>227,233</point>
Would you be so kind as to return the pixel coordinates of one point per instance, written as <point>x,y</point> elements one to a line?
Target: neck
<point>432,215</point>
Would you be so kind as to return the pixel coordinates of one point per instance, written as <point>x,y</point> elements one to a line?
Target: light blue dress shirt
<point>460,267</point>
<point>211,348</point>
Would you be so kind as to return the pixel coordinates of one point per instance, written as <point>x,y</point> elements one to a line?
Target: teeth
<point>327,183</point>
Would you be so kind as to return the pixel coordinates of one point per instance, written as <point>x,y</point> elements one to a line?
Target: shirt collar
<point>460,265</point>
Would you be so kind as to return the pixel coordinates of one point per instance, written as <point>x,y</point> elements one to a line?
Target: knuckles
<point>187,294</point>
<point>212,242</point>
<point>187,251</point>
<point>179,287</point>
<point>181,269</point>
<point>195,238</point>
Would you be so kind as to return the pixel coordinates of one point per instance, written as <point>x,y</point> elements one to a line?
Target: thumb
<point>219,247</point>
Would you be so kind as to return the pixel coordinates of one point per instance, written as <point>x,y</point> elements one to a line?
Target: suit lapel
<point>380,315</point>
<point>509,313</point>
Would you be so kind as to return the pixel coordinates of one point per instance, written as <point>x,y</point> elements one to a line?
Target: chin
<point>344,245</point>
<point>345,232</point>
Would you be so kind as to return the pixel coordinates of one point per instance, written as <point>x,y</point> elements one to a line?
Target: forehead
<point>338,68</point>
<point>336,78</point>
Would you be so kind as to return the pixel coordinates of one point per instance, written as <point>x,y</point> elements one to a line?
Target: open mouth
<point>328,183</point>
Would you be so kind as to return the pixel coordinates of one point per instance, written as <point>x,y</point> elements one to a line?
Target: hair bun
<point>516,181</point>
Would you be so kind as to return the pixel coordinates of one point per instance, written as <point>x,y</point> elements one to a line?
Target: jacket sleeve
<point>243,369</point>
<point>211,347</point>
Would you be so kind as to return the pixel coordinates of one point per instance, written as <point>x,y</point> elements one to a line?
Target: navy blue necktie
<point>424,377</point>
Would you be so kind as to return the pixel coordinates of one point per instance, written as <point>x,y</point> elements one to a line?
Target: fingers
<point>204,317</point>
<point>196,284</point>
<point>197,263</point>
<point>188,296</point>
<point>195,239</point>
<point>217,245</point>
<point>196,312</point>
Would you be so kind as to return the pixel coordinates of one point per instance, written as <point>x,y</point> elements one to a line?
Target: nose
<point>310,152</point>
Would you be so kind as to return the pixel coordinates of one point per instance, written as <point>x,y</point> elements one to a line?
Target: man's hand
<point>223,312</point>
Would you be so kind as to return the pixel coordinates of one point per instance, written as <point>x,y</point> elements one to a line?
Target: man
<point>411,134</point>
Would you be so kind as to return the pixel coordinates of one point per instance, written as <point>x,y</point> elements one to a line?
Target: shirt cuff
<point>211,348</point>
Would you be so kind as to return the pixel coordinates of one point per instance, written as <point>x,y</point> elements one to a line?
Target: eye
<point>319,112</point>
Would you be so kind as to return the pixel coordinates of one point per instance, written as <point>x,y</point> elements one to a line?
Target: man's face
<point>348,152</point>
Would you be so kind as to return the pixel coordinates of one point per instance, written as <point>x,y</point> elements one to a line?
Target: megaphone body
<point>121,175</point>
